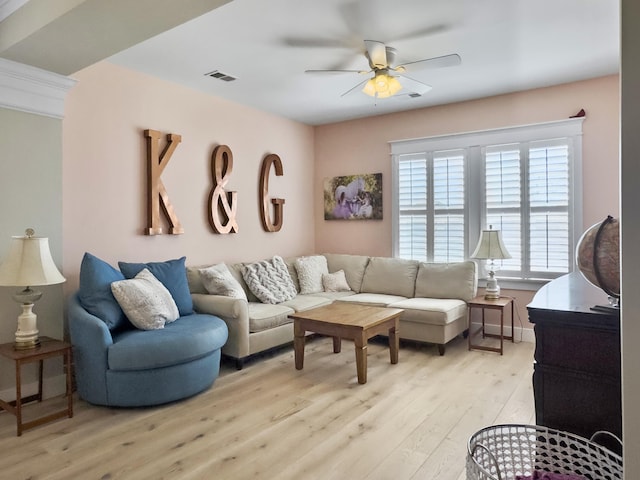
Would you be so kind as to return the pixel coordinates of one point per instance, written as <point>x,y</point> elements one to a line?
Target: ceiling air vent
<point>415,95</point>
<point>221,76</point>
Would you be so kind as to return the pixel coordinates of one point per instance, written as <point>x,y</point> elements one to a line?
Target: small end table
<point>494,304</point>
<point>48,348</point>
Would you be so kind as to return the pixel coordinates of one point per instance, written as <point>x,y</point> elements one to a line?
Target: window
<point>521,181</point>
<point>432,183</point>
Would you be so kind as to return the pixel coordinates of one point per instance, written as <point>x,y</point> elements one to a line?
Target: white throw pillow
<point>269,280</point>
<point>145,301</point>
<point>335,282</point>
<point>310,271</point>
<point>218,280</point>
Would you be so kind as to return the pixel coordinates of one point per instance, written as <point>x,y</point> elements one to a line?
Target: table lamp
<point>28,264</point>
<point>491,247</point>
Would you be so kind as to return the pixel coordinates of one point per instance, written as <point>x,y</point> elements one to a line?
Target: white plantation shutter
<point>503,191</point>
<point>524,181</point>
<point>549,193</point>
<point>449,207</point>
<point>431,203</point>
<point>412,202</point>
<point>542,169</point>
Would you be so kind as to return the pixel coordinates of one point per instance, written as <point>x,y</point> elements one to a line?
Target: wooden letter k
<point>157,193</point>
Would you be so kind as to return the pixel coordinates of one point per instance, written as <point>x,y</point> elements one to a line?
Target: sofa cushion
<point>184,340</point>
<point>218,280</point>
<point>353,266</point>
<point>447,280</point>
<point>373,299</point>
<point>393,276</point>
<point>236,270</point>
<point>433,311</point>
<point>306,302</point>
<point>291,266</point>
<point>196,286</point>
<point>269,280</point>
<point>264,316</point>
<point>173,276</point>
<point>335,282</point>
<point>335,295</point>
<point>194,279</point>
<point>310,271</point>
<point>95,293</point>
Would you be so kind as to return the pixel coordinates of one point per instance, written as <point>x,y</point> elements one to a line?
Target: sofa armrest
<point>91,340</point>
<point>235,313</point>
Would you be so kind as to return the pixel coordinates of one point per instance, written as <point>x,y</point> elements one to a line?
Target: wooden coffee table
<point>351,321</point>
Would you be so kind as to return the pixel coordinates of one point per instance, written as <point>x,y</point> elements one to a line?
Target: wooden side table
<point>48,348</point>
<point>495,304</point>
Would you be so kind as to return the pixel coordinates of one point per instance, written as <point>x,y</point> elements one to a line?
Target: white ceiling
<point>505,46</point>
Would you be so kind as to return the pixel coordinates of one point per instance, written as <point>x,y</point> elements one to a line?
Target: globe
<point>598,256</point>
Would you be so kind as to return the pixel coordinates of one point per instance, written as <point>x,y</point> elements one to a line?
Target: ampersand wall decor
<point>263,195</point>
<point>223,205</point>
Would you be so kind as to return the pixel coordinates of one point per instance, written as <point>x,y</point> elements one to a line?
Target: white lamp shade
<point>490,246</point>
<point>394,85</point>
<point>370,88</point>
<point>382,86</point>
<point>29,263</point>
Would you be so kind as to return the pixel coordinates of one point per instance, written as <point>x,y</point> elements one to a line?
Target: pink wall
<point>104,166</point>
<point>361,146</point>
<point>104,172</point>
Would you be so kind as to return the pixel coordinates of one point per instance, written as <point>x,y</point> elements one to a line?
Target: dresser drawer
<point>588,349</point>
<point>577,402</point>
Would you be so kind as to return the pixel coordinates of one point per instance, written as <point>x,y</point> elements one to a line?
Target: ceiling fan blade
<point>353,14</point>
<point>411,85</point>
<point>315,42</point>
<point>435,62</point>
<point>376,53</point>
<point>334,71</point>
<point>433,29</point>
<point>353,89</point>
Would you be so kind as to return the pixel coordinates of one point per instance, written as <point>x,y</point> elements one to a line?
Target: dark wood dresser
<point>576,377</point>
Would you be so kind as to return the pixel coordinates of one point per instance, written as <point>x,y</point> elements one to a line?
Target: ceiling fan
<point>388,78</point>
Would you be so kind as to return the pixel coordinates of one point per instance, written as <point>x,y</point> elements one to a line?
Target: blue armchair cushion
<point>95,293</point>
<point>172,274</point>
<point>182,341</point>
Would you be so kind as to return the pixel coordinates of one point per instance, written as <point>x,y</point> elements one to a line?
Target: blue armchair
<point>117,364</point>
<point>132,368</point>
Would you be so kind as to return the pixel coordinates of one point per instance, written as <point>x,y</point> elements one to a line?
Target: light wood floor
<point>269,421</point>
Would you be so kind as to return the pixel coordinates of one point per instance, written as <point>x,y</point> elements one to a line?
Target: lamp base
<point>27,332</point>
<point>492,291</point>
<point>28,345</point>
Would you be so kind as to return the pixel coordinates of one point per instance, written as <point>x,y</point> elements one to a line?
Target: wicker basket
<point>501,452</point>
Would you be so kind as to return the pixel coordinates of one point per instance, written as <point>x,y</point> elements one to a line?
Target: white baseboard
<point>521,334</point>
<point>51,387</point>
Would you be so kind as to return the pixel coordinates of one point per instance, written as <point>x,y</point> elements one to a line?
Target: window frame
<point>474,143</point>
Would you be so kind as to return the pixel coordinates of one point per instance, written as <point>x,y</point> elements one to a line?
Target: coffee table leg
<point>337,344</point>
<point>298,344</point>
<point>361,359</point>
<point>394,343</point>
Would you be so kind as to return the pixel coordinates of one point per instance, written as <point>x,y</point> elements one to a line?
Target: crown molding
<point>32,90</point>
<point>7,7</point>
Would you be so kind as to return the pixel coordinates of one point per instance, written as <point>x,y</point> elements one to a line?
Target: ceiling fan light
<point>370,88</point>
<point>394,85</point>
<point>382,83</point>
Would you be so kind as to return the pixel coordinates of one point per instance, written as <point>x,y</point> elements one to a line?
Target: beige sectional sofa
<point>432,295</point>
